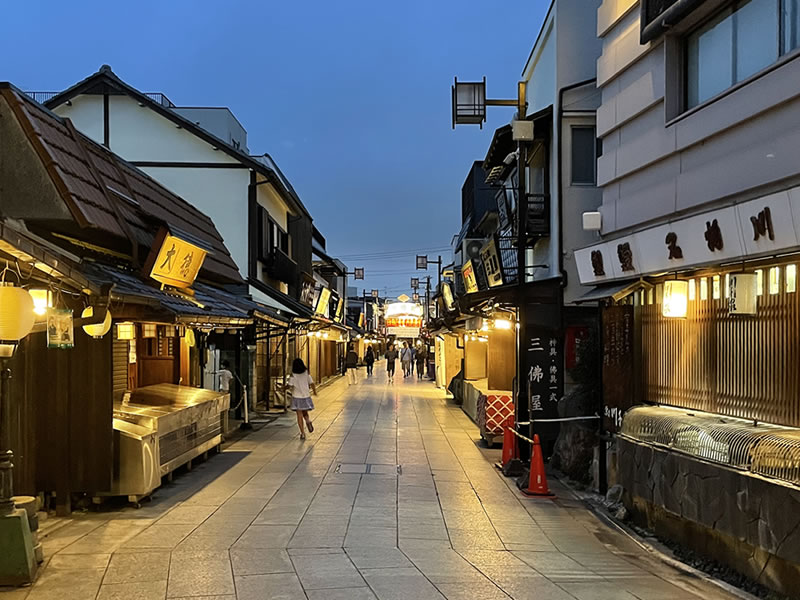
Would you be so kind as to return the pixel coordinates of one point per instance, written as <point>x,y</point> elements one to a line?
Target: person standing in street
<point>391,359</point>
<point>406,356</point>
<point>369,360</point>
<point>301,381</point>
<point>350,365</point>
<point>225,376</point>
<point>422,358</point>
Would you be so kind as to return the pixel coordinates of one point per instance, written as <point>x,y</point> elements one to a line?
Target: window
<point>278,237</point>
<point>270,235</point>
<point>584,155</point>
<point>738,42</point>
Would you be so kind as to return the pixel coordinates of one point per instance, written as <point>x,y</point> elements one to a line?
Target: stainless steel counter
<point>172,425</point>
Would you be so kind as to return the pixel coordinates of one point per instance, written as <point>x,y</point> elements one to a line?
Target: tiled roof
<point>104,192</point>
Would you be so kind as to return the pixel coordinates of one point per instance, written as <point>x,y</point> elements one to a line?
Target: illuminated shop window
<point>727,289</point>
<point>692,290</point>
<point>791,279</point>
<point>759,282</point>
<point>716,285</point>
<point>774,280</point>
<point>703,288</point>
<point>650,294</point>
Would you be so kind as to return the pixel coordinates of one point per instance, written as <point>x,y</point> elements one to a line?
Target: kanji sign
<point>491,263</point>
<point>470,281</point>
<point>323,302</point>
<point>177,262</point>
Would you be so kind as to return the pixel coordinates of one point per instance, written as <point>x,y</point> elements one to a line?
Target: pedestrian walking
<point>369,360</point>
<point>422,358</point>
<point>301,381</point>
<point>350,365</point>
<point>391,359</point>
<point>413,358</point>
<point>406,357</point>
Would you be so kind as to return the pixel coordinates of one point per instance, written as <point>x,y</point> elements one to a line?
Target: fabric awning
<point>614,291</point>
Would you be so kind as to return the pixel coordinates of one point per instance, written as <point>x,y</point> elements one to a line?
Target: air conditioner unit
<point>471,248</point>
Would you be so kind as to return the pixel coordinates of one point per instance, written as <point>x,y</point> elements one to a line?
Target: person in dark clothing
<point>391,359</point>
<point>369,360</point>
<point>422,359</point>
<point>351,364</point>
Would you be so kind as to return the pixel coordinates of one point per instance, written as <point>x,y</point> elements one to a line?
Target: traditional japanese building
<point>697,254</point>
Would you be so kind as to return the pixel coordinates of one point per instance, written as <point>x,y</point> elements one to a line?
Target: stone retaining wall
<point>747,522</point>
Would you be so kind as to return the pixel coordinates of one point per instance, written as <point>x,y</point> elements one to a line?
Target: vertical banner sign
<point>470,281</point>
<point>542,382</point>
<point>618,392</point>
<point>491,264</point>
<point>59,328</point>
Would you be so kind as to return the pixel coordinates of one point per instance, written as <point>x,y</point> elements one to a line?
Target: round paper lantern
<point>97,330</point>
<point>16,313</point>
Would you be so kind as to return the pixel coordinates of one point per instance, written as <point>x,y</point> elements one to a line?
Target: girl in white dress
<point>301,381</point>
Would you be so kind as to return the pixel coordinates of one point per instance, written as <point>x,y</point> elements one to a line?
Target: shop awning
<point>206,306</point>
<point>614,291</point>
<point>543,291</point>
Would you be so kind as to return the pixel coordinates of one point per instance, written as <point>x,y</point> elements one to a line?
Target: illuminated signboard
<point>177,262</point>
<point>470,282</point>
<point>308,290</point>
<point>323,302</point>
<point>403,319</point>
<point>339,311</point>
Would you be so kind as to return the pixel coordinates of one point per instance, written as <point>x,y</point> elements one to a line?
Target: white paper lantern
<point>97,330</point>
<point>676,299</point>
<point>16,317</point>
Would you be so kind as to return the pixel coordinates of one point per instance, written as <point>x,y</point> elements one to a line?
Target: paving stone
<point>142,590</point>
<point>79,561</point>
<point>400,584</point>
<point>137,567</point>
<point>200,574</point>
<point>361,593</point>
<point>326,571</point>
<point>283,586</point>
<point>246,561</point>
<point>266,536</point>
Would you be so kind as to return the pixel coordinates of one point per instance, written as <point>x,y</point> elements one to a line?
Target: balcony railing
<point>279,266</point>
<point>42,97</point>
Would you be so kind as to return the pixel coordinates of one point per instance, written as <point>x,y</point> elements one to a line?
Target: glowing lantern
<point>503,324</point>
<point>97,330</point>
<point>42,300</point>
<point>16,317</point>
<point>190,339</point>
<point>676,299</point>
<point>126,331</point>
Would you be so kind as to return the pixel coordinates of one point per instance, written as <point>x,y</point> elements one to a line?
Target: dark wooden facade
<point>61,414</point>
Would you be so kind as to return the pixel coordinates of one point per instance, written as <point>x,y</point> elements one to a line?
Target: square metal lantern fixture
<point>469,102</point>
<point>359,273</point>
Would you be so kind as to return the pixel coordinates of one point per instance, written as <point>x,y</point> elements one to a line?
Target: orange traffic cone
<point>537,483</point>
<point>509,441</point>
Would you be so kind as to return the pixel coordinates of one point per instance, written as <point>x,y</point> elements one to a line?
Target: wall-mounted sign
<point>177,262</point>
<point>470,281</point>
<point>447,295</point>
<point>491,263</point>
<point>502,208</point>
<point>742,292</point>
<point>59,328</point>
<point>308,290</point>
<point>323,302</point>
<point>756,228</point>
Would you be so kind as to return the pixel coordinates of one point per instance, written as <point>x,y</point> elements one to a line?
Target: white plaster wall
<point>278,209</point>
<point>139,133</point>
<point>219,193</point>
<point>86,114</point>
<point>540,72</point>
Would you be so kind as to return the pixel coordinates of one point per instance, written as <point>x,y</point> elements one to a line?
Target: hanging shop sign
<point>307,290</point>
<point>323,302</point>
<point>404,319</point>
<point>447,295</point>
<point>491,263</point>
<point>742,293</point>
<point>60,333</point>
<point>175,261</point>
<point>361,319</point>
<point>503,212</point>
<point>339,311</point>
<point>470,281</point>
<point>752,229</point>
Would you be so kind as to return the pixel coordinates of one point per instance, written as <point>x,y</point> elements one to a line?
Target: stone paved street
<point>330,518</point>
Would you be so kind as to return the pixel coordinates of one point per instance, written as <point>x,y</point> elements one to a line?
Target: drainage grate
<point>369,468</point>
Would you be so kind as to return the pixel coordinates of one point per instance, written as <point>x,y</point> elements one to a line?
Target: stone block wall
<point>745,521</point>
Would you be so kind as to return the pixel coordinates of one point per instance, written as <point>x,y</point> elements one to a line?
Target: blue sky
<point>351,98</point>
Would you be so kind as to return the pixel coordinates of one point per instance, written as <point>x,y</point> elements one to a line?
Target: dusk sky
<point>351,98</point>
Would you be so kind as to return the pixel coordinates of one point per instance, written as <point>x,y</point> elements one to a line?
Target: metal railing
<point>160,98</point>
<point>760,448</point>
<point>42,97</point>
